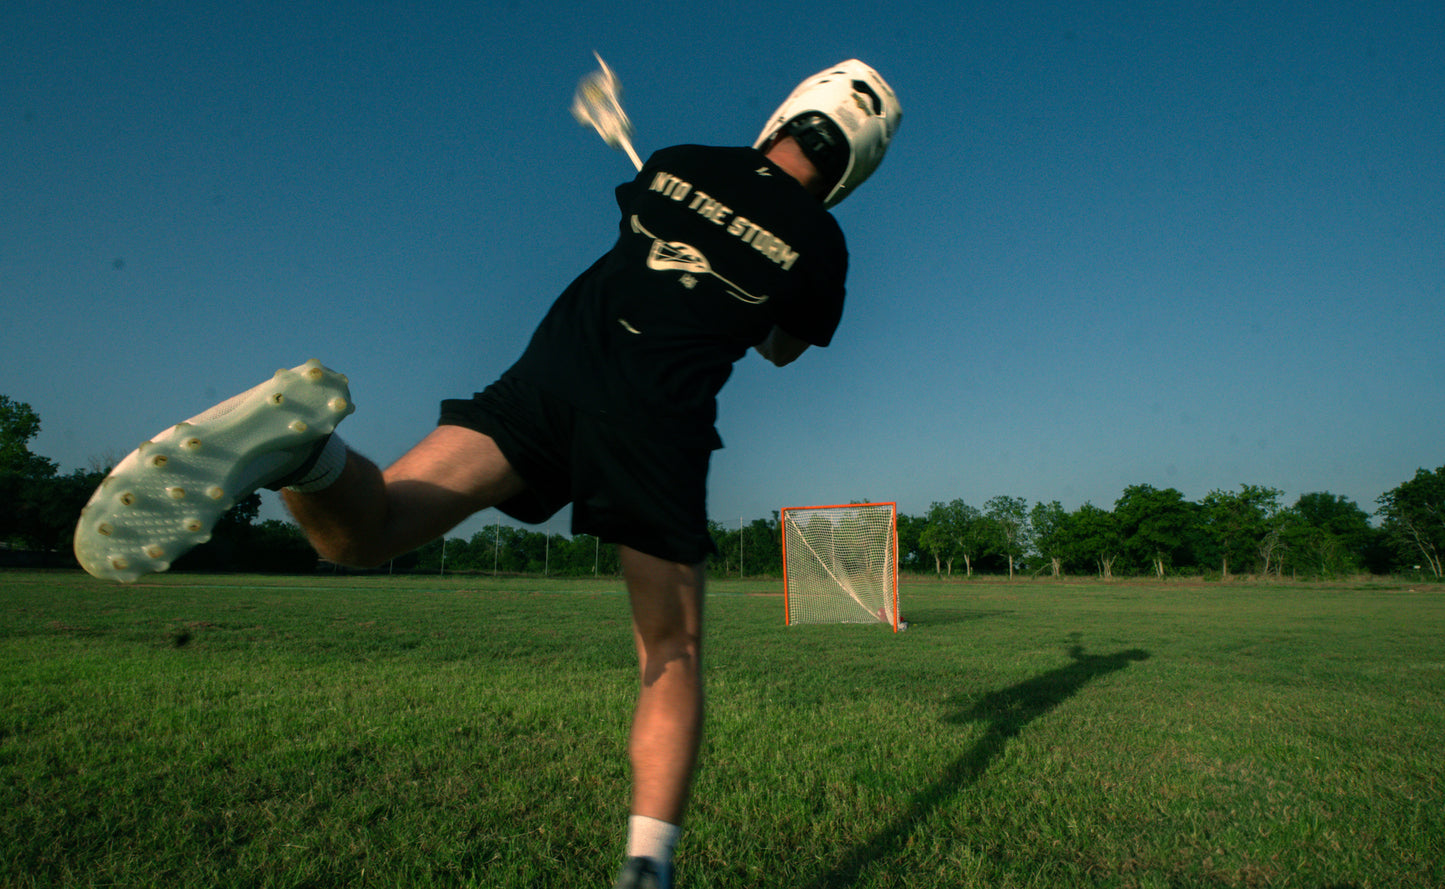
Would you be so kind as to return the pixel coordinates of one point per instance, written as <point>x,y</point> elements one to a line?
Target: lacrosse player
<point>611,408</point>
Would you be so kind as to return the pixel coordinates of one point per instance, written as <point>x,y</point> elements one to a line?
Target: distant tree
<point>754,549</point>
<point>19,423</point>
<point>762,546</point>
<point>1272,546</point>
<point>280,547</point>
<point>1009,518</point>
<point>38,506</point>
<point>1343,538</point>
<point>40,513</point>
<point>725,541</point>
<point>1235,523</point>
<point>1093,537</point>
<point>1050,524</point>
<point>533,550</point>
<point>1156,526</point>
<point>485,549</point>
<point>425,559</point>
<point>937,538</point>
<point>910,551</point>
<point>608,559</point>
<point>953,531</point>
<point>1414,513</point>
<point>585,556</point>
<point>515,552</point>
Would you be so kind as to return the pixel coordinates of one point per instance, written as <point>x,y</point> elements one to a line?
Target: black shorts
<point>641,490</point>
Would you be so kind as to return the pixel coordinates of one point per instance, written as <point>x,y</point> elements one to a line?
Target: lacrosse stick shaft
<point>627,147</point>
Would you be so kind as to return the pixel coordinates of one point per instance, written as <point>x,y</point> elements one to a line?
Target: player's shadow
<point>1003,715</point>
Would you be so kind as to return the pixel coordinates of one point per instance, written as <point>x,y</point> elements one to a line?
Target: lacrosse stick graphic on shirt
<point>676,256</point>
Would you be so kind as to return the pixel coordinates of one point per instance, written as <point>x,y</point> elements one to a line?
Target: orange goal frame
<point>893,532</point>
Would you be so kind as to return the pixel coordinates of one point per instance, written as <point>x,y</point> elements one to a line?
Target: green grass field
<point>284,732</point>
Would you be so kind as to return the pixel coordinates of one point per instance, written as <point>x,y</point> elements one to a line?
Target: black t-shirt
<point>716,246</point>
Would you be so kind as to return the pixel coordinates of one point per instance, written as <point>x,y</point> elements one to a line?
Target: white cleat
<point>166,496</point>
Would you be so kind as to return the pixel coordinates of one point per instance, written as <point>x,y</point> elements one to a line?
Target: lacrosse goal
<point>840,564</point>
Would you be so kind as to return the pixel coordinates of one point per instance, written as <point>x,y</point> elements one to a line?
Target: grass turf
<point>246,731</point>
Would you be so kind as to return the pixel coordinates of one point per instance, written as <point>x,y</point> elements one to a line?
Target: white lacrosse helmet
<point>846,108</point>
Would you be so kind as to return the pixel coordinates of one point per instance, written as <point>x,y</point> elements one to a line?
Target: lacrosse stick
<point>598,104</point>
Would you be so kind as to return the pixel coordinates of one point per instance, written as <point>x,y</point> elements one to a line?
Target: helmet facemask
<point>822,143</point>
<point>843,119</point>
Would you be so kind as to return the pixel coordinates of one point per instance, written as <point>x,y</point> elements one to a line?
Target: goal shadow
<point>932,619</point>
<point>1004,714</point>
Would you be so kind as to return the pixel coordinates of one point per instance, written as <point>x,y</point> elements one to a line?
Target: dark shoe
<point>640,873</point>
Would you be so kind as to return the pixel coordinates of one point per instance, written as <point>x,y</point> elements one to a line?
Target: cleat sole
<point>164,498</point>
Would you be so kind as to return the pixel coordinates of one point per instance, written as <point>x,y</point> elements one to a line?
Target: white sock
<point>326,470</point>
<point>652,838</point>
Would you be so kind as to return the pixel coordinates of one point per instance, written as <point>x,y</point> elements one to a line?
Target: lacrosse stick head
<point>598,104</point>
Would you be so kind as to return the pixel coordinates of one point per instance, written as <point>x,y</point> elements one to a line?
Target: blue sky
<point>1193,245</point>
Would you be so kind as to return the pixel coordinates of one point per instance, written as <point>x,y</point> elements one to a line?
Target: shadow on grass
<point>924,617</point>
<point>1004,714</point>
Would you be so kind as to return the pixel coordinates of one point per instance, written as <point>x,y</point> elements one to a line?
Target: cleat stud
<point>297,426</point>
<point>104,530</point>
<point>176,493</point>
<point>154,552</point>
<point>338,405</point>
<point>194,525</point>
<point>277,398</point>
<point>191,444</point>
<point>119,563</point>
<point>215,493</point>
<point>315,372</point>
<point>127,499</point>
<point>159,460</point>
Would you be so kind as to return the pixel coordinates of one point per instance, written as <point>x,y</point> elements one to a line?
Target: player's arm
<point>781,347</point>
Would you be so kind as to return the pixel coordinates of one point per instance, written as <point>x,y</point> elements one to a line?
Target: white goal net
<point>840,564</point>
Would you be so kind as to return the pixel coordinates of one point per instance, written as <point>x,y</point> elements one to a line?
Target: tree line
<point>1159,533</point>
<point>1147,531</point>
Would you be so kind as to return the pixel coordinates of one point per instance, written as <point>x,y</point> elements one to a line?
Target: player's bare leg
<point>667,606</point>
<point>368,516</point>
